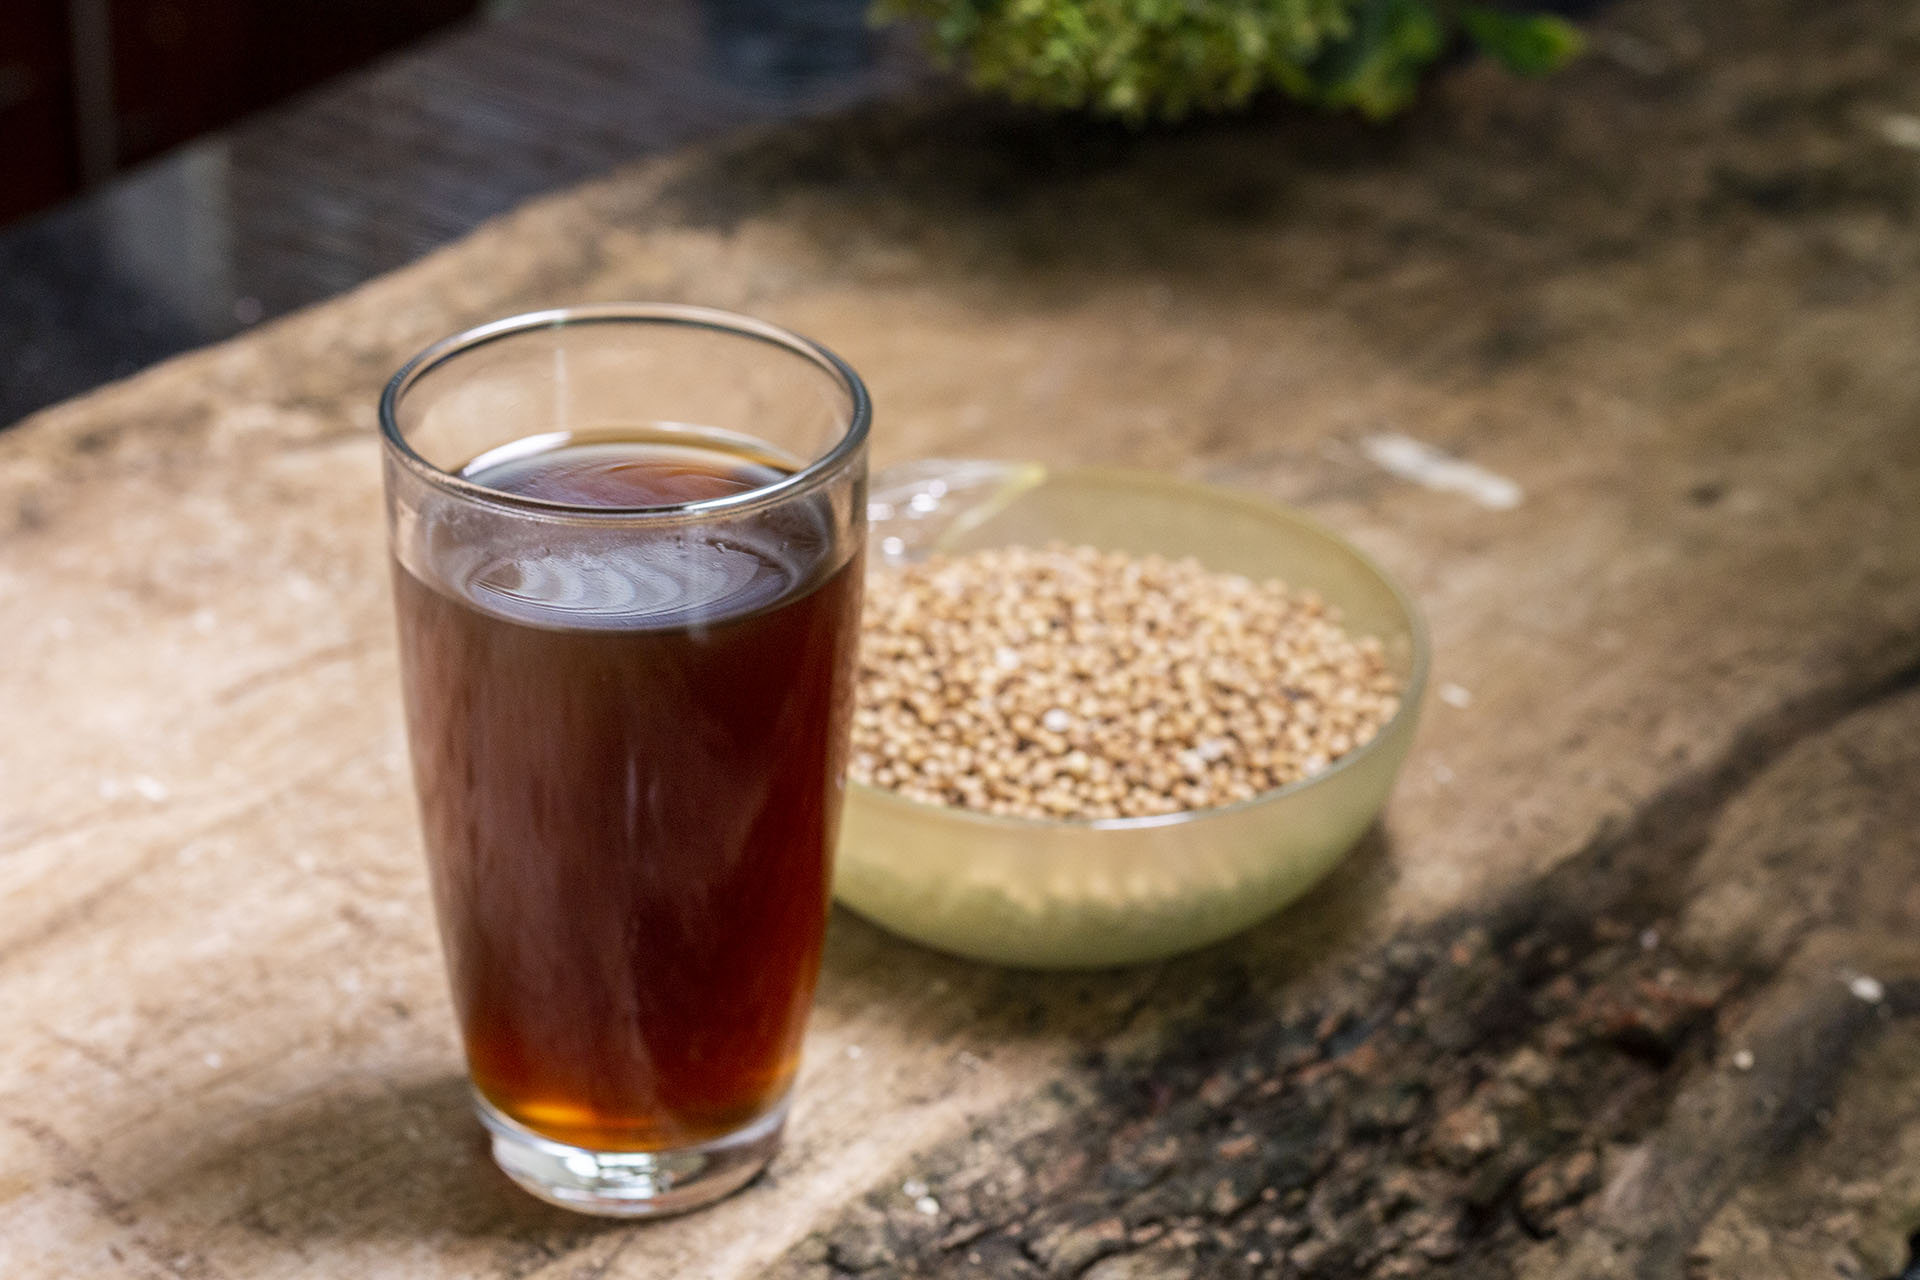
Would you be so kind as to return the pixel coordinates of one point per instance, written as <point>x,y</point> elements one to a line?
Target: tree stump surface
<point>1627,981</point>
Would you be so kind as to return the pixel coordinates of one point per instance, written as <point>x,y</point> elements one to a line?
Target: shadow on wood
<point>406,1162</point>
<point>869,968</point>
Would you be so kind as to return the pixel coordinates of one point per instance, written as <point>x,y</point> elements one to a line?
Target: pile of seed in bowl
<point>1067,682</point>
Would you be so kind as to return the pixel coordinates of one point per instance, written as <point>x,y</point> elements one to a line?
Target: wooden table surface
<point>1627,981</point>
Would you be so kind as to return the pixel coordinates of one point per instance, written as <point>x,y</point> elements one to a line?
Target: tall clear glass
<point>626,559</point>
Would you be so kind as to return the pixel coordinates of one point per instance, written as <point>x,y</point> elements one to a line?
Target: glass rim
<point>677,314</point>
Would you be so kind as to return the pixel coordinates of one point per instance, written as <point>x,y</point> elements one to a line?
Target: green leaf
<point>1162,59</point>
<point>1529,44</point>
<point>1376,70</point>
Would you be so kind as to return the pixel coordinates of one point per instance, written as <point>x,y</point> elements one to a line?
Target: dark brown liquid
<point>629,760</point>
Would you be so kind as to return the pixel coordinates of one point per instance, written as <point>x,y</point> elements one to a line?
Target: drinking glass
<point>626,546</point>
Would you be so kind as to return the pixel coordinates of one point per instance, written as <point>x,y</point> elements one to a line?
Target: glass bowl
<point>1087,894</point>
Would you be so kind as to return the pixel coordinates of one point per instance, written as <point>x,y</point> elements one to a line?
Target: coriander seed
<point>1073,683</point>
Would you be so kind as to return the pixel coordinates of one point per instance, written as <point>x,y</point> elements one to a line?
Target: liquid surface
<point>677,575</point>
<point>595,471</point>
<point>629,749</point>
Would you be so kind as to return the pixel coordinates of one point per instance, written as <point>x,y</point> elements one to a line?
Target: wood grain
<point>1666,820</point>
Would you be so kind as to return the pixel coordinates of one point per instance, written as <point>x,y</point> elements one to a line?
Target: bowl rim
<point>1410,695</point>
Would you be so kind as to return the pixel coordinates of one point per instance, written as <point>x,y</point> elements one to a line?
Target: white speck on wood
<point>1901,130</point>
<point>1866,988</point>
<point>1423,464</point>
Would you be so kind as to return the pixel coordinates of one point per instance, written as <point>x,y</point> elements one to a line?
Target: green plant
<point>1162,59</point>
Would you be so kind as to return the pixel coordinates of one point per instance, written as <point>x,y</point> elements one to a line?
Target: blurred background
<point>90,87</point>
<point>174,171</point>
<point>177,170</point>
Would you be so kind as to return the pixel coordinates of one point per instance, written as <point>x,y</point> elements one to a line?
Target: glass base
<point>631,1184</point>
